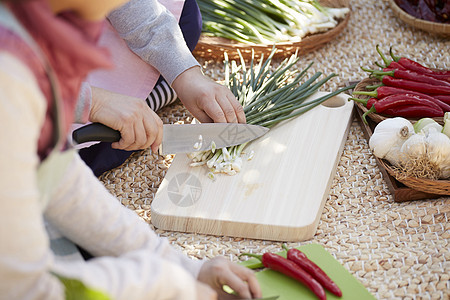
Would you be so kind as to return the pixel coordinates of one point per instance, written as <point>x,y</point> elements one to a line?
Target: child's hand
<point>139,126</point>
<point>219,271</point>
<point>205,292</point>
<point>207,100</point>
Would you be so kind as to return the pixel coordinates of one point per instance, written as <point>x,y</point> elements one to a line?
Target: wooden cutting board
<point>276,284</point>
<point>278,195</point>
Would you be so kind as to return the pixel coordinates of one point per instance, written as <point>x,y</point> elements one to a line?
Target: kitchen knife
<point>181,138</point>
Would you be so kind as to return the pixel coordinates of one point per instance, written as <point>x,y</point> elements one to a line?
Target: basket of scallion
<point>293,26</point>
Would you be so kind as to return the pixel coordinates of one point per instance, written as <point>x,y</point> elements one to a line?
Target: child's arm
<point>153,33</point>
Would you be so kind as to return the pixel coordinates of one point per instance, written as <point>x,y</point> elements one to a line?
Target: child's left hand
<point>219,271</point>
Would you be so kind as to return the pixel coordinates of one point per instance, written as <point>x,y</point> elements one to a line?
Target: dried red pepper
<point>314,270</point>
<point>429,10</point>
<point>289,268</point>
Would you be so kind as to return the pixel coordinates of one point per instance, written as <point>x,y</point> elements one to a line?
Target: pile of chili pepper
<point>299,267</point>
<point>408,89</point>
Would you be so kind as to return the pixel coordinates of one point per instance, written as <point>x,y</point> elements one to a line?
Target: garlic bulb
<point>438,150</point>
<point>388,138</point>
<point>446,129</point>
<point>424,124</point>
<point>415,145</point>
<point>426,153</point>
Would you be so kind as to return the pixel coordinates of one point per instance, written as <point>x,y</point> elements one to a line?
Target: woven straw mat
<point>396,250</point>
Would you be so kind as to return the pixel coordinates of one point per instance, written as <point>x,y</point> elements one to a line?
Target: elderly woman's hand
<point>207,100</point>
<point>139,126</point>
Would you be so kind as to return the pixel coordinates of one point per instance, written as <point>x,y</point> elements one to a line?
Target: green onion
<point>268,97</point>
<point>267,21</point>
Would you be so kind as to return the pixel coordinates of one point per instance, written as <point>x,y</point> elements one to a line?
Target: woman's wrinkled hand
<point>219,271</point>
<point>207,100</point>
<point>139,126</point>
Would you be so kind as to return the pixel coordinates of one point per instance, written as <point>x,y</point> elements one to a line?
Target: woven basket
<point>438,187</point>
<point>213,47</point>
<point>432,27</point>
<point>377,118</point>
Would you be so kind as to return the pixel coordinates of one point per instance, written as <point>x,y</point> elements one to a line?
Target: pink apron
<point>130,75</point>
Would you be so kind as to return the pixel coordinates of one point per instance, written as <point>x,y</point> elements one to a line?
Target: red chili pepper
<point>366,102</point>
<point>411,111</point>
<point>415,86</point>
<point>443,98</point>
<point>289,268</point>
<point>396,65</point>
<point>309,266</point>
<point>404,99</point>
<point>411,75</point>
<point>371,102</point>
<point>413,66</point>
<point>393,101</point>
<point>384,91</point>
<point>416,67</point>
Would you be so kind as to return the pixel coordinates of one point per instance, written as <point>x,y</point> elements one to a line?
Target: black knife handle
<point>95,132</point>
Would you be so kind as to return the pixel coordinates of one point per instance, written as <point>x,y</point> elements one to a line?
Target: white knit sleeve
<point>132,261</point>
<point>25,256</point>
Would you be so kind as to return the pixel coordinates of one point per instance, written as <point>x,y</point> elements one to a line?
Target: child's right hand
<point>219,271</point>
<point>205,292</point>
<point>207,100</point>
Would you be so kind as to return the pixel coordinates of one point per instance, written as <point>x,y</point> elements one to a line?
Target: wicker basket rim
<point>439,187</point>
<point>211,46</point>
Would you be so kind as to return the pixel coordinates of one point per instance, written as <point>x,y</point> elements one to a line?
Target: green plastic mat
<point>276,284</point>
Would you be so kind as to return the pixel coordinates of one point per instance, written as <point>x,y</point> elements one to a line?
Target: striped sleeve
<point>84,104</point>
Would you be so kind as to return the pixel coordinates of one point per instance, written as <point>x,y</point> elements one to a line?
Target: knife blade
<point>181,138</point>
